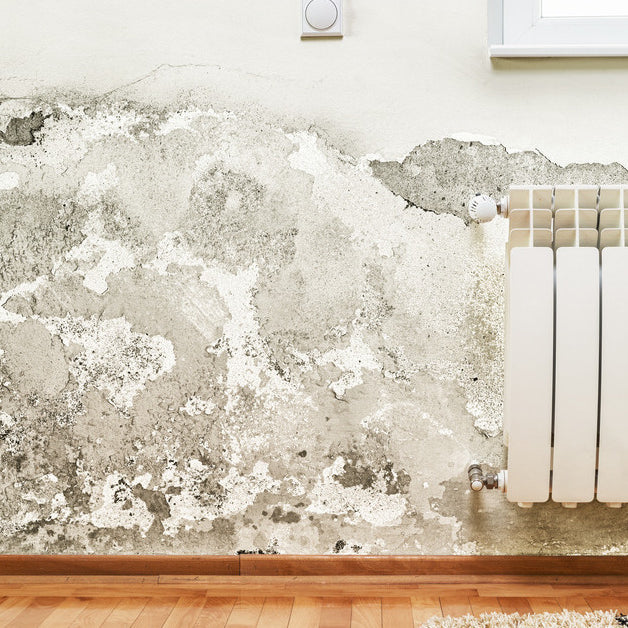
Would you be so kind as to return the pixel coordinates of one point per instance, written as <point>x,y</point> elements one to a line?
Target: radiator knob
<point>482,208</point>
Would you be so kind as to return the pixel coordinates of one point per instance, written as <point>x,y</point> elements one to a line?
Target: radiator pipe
<point>479,480</point>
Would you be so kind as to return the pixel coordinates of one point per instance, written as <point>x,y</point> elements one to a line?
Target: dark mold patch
<point>339,546</point>
<point>279,516</point>
<point>156,503</point>
<point>20,131</point>
<point>356,474</point>
<point>439,176</point>
<point>271,549</point>
<point>396,482</point>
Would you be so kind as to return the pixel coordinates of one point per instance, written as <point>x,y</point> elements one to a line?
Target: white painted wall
<point>406,71</point>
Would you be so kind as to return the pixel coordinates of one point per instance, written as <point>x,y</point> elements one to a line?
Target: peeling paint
<point>440,176</point>
<point>115,359</point>
<point>99,257</point>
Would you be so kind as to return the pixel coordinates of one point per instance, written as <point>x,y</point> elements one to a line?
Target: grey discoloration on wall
<point>218,335</point>
<point>498,526</point>
<point>439,176</point>
<point>20,131</point>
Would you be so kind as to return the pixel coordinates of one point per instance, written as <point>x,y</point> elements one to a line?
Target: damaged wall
<point>239,314</point>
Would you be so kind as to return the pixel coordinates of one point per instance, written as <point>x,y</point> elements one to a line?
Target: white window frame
<point>516,28</point>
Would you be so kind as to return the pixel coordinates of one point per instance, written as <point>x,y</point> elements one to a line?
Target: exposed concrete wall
<point>230,320</point>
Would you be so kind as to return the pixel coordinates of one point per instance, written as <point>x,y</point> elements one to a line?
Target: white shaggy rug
<point>566,619</point>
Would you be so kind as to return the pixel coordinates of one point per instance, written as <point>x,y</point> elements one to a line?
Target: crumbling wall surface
<point>220,334</point>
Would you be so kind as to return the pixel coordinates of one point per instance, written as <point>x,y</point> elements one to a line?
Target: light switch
<point>321,18</point>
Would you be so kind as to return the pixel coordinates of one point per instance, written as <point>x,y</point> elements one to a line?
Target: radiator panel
<point>576,374</point>
<point>566,345</point>
<point>612,486</point>
<point>529,372</point>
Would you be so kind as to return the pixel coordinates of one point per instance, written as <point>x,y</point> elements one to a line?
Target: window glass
<point>584,8</point>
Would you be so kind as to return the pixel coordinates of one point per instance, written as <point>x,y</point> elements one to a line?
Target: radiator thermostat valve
<point>483,208</point>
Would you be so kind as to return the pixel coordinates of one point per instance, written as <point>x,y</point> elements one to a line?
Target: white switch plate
<point>317,14</point>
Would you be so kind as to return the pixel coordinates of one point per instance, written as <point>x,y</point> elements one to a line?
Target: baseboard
<point>287,565</point>
<point>254,565</point>
<point>83,565</point>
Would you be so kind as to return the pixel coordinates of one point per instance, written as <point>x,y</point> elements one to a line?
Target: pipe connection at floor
<point>479,480</point>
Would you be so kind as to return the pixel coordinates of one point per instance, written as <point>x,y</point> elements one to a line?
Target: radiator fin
<point>576,374</point>
<point>529,376</point>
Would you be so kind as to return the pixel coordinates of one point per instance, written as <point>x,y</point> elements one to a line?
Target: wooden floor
<point>290,601</point>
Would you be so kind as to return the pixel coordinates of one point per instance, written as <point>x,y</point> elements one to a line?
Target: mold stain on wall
<point>219,335</point>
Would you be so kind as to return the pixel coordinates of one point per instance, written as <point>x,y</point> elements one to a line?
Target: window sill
<point>559,50</point>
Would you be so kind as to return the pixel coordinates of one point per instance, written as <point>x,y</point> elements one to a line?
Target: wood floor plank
<point>335,612</point>
<point>155,612</point>
<point>306,612</point>
<point>34,613</point>
<point>342,586</point>
<point>424,607</point>
<point>275,612</point>
<point>455,606</point>
<point>481,605</point>
<point>268,586</point>
<point>215,612</point>
<point>95,613</point>
<point>397,612</point>
<point>111,579</point>
<point>587,590</point>
<point>65,613</point>
<point>321,602</point>
<point>185,611</point>
<point>245,612</point>
<point>608,603</point>
<point>515,604</point>
<point>366,612</point>
<point>602,603</point>
<point>574,603</point>
<point>11,607</point>
<point>544,605</point>
<point>469,580</point>
<point>31,579</point>
<point>125,612</point>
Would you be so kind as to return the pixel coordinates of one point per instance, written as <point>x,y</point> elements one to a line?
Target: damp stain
<point>221,336</point>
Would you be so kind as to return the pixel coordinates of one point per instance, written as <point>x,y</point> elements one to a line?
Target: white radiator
<point>566,345</point>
